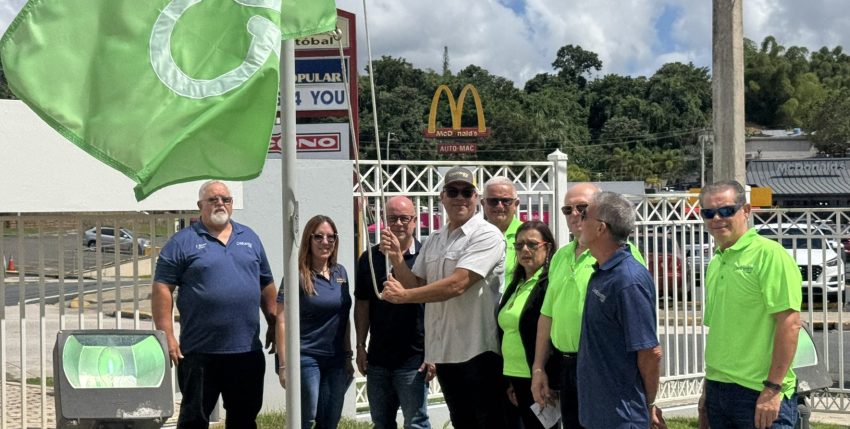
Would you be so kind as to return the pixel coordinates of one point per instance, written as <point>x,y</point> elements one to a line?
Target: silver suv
<point>107,240</point>
<point>816,255</point>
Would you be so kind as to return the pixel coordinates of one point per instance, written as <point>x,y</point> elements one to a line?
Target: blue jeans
<point>323,385</point>
<point>404,386</point>
<point>732,406</point>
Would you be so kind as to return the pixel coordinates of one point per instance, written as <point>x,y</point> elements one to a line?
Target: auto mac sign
<point>319,84</point>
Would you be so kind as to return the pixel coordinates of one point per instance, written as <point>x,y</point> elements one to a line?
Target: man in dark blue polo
<point>619,358</point>
<point>396,374</point>
<point>222,276</point>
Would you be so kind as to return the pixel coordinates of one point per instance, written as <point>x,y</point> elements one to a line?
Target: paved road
<point>53,289</point>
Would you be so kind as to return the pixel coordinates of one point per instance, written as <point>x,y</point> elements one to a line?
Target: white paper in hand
<point>548,416</point>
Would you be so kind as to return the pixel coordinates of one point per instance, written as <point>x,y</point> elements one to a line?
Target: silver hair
<point>207,184</point>
<point>499,180</point>
<point>740,196</point>
<point>617,212</point>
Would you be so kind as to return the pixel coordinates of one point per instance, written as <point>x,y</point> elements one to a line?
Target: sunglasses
<point>568,209</point>
<point>403,219</point>
<point>494,202</point>
<point>532,245</point>
<point>724,212</point>
<point>318,238</point>
<point>224,200</point>
<point>454,192</point>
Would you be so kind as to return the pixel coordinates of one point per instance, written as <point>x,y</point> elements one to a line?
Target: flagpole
<point>290,232</point>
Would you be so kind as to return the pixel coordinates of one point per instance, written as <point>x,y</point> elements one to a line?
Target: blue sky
<point>518,39</point>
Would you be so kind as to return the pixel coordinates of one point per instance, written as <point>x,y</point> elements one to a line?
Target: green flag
<point>305,17</point>
<point>165,91</point>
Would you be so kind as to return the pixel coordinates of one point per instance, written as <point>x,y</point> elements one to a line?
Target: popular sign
<point>456,131</point>
<point>319,84</point>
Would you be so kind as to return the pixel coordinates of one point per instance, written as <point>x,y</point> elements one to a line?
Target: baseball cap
<point>459,174</point>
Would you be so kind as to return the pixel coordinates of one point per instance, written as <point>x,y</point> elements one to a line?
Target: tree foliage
<point>612,127</point>
<point>831,118</point>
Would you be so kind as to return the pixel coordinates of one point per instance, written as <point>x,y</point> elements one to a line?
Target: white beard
<point>220,218</point>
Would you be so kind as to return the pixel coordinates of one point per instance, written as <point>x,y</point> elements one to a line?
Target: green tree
<point>575,64</point>
<point>829,124</point>
<point>5,92</point>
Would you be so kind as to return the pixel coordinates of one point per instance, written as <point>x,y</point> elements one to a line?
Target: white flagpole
<point>290,232</point>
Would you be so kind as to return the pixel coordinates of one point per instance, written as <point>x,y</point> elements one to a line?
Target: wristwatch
<point>772,386</point>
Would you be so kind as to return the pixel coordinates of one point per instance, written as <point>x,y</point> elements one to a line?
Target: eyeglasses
<point>224,200</point>
<point>568,209</point>
<point>532,245</point>
<point>724,212</point>
<point>318,238</point>
<point>454,192</point>
<point>494,202</point>
<point>403,219</point>
<point>584,217</point>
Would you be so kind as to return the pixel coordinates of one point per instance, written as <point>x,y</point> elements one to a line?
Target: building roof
<point>817,176</point>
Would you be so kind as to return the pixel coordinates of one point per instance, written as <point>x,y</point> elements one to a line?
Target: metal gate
<point>677,249</point>
<point>68,272</point>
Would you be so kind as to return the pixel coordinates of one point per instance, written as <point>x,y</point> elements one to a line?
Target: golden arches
<point>456,108</point>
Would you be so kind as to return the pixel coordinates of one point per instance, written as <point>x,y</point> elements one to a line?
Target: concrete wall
<point>324,187</point>
<point>42,172</point>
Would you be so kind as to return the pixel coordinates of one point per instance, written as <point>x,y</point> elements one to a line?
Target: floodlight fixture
<point>112,379</point>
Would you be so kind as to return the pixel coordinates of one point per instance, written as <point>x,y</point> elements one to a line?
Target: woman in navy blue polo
<point>326,368</point>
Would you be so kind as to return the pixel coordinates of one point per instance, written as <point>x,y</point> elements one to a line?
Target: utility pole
<point>389,134</point>
<point>728,90</point>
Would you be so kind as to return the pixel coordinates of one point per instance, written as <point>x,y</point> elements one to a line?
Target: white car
<point>816,255</point>
<point>107,239</point>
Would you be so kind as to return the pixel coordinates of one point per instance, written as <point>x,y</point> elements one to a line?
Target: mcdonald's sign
<point>456,131</point>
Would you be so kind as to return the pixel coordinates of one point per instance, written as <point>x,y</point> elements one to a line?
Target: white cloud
<point>622,32</point>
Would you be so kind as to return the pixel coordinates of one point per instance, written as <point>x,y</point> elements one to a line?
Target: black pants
<point>569,391</point>
<point>237,377</point>
<point>474,391</point>
<point>524,399</point>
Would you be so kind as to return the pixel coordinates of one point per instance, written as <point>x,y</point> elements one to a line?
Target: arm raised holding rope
<point>402,274</point>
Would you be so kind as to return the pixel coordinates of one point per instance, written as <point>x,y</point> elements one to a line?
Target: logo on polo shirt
<point>744,268</point>
<point>599,295</point>
<point>245,243</point>
<point>201,246</point>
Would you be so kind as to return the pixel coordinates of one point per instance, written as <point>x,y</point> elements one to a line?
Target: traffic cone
<point>11,264</point>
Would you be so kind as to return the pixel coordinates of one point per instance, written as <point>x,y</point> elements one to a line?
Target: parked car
<point>107,239</point>
<point>845,244</point>
<point>661,254</point>
<point>815,254</point>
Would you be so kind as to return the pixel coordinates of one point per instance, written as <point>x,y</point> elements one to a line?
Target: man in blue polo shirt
<point>223,277</point>
<point>619,358</point>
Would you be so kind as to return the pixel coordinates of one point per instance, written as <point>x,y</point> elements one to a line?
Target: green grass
<point>278,420</point>
<point>37,380</point>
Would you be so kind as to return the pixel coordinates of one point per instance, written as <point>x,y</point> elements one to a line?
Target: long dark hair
<point>519,272</point>
<point>305,251</point>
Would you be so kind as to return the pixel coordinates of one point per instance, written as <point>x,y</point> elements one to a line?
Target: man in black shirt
<point>396,375</point>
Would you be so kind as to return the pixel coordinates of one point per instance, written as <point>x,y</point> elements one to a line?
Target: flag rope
<point>356,139</point>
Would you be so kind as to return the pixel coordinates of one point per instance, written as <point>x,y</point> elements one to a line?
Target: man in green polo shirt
<point>752,308</point>
<point>560,318</point>
<point>500,204</point>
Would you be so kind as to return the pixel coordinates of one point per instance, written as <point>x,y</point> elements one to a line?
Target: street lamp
<point>389,134</point>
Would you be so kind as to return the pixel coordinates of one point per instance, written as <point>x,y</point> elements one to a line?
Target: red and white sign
<point>315,141</point>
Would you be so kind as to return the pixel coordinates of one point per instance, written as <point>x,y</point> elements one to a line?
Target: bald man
<point>393,362</point>
<point>559,325</point>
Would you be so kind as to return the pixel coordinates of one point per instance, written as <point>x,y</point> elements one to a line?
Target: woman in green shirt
<point>519,310</point>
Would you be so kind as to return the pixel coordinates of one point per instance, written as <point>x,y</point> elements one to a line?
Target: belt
<point>569,355</point>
